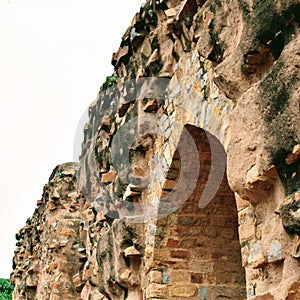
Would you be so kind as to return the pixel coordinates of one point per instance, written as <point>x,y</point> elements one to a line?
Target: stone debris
<point>294,156</point>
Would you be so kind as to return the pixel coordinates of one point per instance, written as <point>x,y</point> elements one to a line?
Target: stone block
<point>183,291</point>
<point>172,243</point>
<point>247,225</point>
<point>275,254</point>
<point>241,203</point>
<point>169,184</point>
<point>151,106</point>
<point>155,290</point>
<point>166,277</point>
<point>203,293</point>
<point>161,254</point>
<point>108,177</point>
<point>67,232</point>
<point>53,266</point>
<point>155,277</point>
<point>196,277</point>
<point>179,276</point>
<point>180,254</point>
<point>131,252</point>
<point>256,256</point>
<point>219,292</point>
<point>201,267</point>
<point>294,156</point>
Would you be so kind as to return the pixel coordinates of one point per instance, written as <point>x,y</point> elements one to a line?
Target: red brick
<point>176,265</point>
<point>171,243</point>
<point>182,254</point>
<point>197,278</point>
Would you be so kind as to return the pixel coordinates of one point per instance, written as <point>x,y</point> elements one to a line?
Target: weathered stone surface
<point>290,211</point>
<point>293,292</point>
<point>190,167</point>
<point>109,177</point>
<point>51,239</point>
<point>266,296</point>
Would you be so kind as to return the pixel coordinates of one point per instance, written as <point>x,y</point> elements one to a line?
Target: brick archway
<point>197,253</point>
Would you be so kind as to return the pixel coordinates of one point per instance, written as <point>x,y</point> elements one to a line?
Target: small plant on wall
<point>6,289</point>
<point>110,81</point>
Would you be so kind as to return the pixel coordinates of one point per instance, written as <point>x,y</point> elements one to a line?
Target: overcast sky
<point>54,55</point>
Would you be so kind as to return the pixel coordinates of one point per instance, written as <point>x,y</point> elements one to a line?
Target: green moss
<point>288,174</point>
<point>270,26</point>
<point>275,97</point>
<point>275,102</point>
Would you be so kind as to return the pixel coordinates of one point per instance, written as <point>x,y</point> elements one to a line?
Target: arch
<point>196,250</point>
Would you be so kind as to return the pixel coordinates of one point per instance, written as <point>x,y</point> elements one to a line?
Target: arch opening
<point>197,249</point>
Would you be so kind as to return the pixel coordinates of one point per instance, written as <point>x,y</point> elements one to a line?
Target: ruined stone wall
<point>189,182</point>
<point>49,256</point>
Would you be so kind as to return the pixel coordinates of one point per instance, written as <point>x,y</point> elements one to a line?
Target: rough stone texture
<point>189,182</point>
<point>50,253</point>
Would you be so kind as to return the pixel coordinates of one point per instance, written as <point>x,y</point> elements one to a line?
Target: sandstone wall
<point>50,255</point>
<point>189,182</point>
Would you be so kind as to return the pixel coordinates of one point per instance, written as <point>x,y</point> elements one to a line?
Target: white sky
<point>54,55</point>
